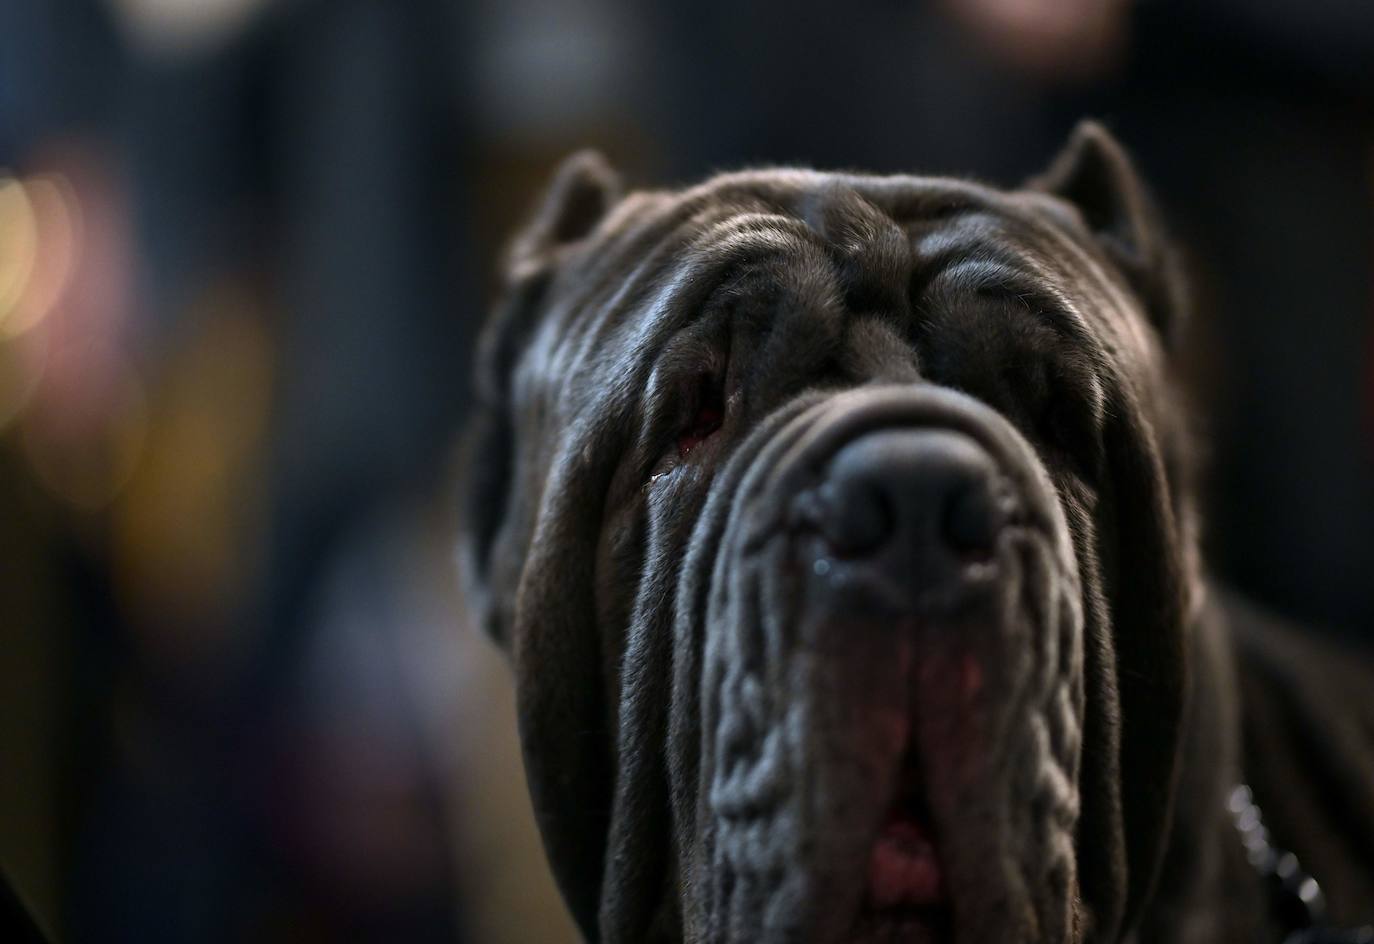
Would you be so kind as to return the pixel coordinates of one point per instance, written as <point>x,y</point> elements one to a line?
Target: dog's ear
<point>583,190</point>
<point>1095,175</point>
<point>490,547</point>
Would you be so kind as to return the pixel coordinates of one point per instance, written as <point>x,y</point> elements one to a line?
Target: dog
<point>841,532</point>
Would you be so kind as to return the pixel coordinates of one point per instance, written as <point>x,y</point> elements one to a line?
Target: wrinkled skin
<point>719,709</point>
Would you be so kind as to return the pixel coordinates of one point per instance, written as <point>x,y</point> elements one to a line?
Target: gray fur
<point>685,683</point>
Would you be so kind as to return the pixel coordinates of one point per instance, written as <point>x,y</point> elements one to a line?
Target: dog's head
<point>836,528</point>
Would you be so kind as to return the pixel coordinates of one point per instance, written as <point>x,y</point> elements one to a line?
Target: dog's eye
<point>708,414</point>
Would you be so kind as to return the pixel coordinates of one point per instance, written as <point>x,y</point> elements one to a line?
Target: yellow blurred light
<point>18,246</point>
<point>55,219</point>
<point>203,463</point>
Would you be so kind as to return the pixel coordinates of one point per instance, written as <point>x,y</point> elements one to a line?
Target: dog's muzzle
<point>892,681</point>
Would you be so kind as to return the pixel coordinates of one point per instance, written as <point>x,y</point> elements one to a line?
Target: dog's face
<point>833,524</point>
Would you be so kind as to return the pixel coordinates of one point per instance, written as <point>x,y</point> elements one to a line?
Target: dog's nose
<point>929,498</point>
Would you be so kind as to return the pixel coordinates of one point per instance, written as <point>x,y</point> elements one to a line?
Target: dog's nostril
<point>973,519</point>
<point>930,496</point>
<point>857,517</point>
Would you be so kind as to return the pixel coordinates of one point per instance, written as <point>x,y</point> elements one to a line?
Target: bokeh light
<point>186,526</point>
<point>85,456</point>
<point>39,239</point>
<point>18,246</point>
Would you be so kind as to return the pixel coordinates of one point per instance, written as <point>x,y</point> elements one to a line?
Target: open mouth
<point>905,896</point>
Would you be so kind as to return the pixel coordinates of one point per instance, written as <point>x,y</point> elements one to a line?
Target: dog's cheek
<point>620,565</point>
<point>1149,597</point>
<point>484,513</point>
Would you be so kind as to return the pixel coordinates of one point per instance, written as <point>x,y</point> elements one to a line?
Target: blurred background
<point>244,249</point>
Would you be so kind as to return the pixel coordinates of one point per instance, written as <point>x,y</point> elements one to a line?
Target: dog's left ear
<point>1095,175</point>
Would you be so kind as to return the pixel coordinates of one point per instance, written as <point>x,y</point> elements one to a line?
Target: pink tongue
<point>903,870</point>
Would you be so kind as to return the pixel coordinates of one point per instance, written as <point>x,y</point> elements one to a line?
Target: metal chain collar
<point>1294,896</point>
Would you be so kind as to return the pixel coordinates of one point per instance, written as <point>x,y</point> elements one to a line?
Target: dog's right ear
<point>583,190</point>
<point>491,546</point>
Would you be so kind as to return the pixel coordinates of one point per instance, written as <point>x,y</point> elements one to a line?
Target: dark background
<point>244,249</point>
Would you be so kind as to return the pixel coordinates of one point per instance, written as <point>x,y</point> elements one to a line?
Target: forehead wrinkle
<point>564,327</point>
<point>804,322</point>
<point>736,197</point>
<point>1128,325</point>
<point>702,237</point>
<point>644,224</point>
<point>751,233</point>
<point>872,253</point>
<point>964,235</point>
<point>662,229</point>
<point>726,245</point>
<point>907,199</point>
<point>995,251</point>
<point>777,186</point>
<point>584,319</point>
<point>1064,262</point>
<point>910,199</point>
<point>720,238</point>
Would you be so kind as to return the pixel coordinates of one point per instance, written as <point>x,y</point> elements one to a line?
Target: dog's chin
<point>915,926</point>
